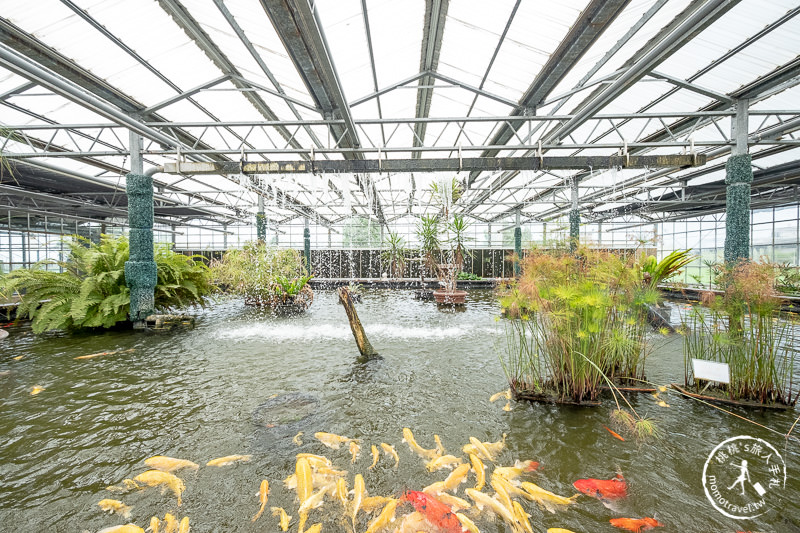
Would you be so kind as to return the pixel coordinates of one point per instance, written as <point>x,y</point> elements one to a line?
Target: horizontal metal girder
<point>435,165</point>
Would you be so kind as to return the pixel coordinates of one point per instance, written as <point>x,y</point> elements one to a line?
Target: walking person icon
<point>743,475</point>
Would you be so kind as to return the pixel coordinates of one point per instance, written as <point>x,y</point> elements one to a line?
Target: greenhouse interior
<point>371,266</point>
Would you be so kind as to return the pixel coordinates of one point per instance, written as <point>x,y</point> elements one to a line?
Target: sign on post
<point>711,371</point>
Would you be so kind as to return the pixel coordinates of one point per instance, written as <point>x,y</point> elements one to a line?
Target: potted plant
<point>394,255</point>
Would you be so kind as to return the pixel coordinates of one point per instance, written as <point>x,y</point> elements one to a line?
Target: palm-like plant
<point>394,255</point>
<point>659,271</point>
<point>458,239</point>
<point>430,245</point>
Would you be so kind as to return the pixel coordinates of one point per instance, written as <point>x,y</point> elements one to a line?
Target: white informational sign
<point>711,371</point>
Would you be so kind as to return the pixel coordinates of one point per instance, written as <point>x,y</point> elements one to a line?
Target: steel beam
<point>434,165</point>
<point>432,33</point>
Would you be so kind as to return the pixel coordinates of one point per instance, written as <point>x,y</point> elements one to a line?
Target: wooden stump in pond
<point>346,300</point>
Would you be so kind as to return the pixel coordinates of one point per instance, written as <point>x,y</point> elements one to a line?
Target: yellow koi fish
<point>376,455</point>
<point>115,506</point>
<point>507,406</point>
<point>480,471</point>
<point>389,450</point>
<point>355,449</point>
<point>154,478</point>
<point>315,461</point>
<point>229,460</point>
<point>496,447</point>
<point>545,498</point>
<point>499,483</point>
<point>184,526</point>
<point>408,438</point>
<point>445,461</point>
<point>359,493</point>
<point>482,450</point>
<point>330,440</point>
<point>127,528</point>
<point>154,524</point>
<point>500,487</point>
<point>18,358</point>
<point>467,524</point>
<point>439,448</point>
<point>170,524</point>
<point>169,464</point>
<point>316,528</point>
<point>297,440</point>
<point>513,472</point>
<point>455,503</point>
<point>316,499</point>
<point>341,492</point>
<point>263,495</point>
<point>36,390</point>
<point>522,517</point>
<point>484,500</point>
<point>284,518</point>
<point>506,394</point>
<point>304,483</point>
<point>371,503</point>
<point>98,354</point>
<point>558,530</point>
<point>456,477</point>
<point>385,518</point>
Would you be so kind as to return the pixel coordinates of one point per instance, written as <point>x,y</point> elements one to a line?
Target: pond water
<point>245,382</point>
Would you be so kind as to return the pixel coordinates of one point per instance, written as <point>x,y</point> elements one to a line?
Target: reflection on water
<point>245,382</point>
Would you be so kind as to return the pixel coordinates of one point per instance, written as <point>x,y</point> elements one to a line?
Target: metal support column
<point>261,221</point>
<point>738,177</point>
<point>574,218</point>
<point>517,245</point>
<point>307,246</point>
<point>141,274</point>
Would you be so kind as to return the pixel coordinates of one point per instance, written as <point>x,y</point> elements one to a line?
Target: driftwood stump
<point>346,300</point>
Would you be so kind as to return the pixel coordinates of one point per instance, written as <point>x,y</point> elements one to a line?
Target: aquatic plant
<point>742,327</point>
<point>394,254</point>
<point>573,319</point>
<point>264,275</point>
<point>91,291</point>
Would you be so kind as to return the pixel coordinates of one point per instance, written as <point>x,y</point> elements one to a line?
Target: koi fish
<point>169,464</point>
<point>605,490</point>
<point>115,506</point>
<point>263,495</point>
<point>389,450</point>
<point>154,478</point>
<point>316,499</point>
<point>502,488</point>
<point>439,447</point>
<point>170,523</point>
<point>482,450</point>
<point>359,493</point>
<point>154,524</point>
<point>502,394</point>
<point>559,530</point>
<point>545,498</point>
<point>316,528</point>
<point>184,525</point>
<point>507,406</point>
<point>18,358</point>
<point>354,450</point>
<point>341,491</point>
<point>229,460</point>
<point>284,518</point>
<point>445,461</point>
<point>493,448</point>
<point>455,503</point>
<point>614,434</point>
<point>522,517</point>
<point>98,354</point>
<point>36,390</point>
<point>408,438</point>
<point>467,524</point>
<point>385,518</point>
<point>484,500</point>
<point>479,469</point>
<point>315,461</point>
<point>127,528</point>
<point>371,503</point>
<point>437,513</point>
<point>330,440</point>
<point>305,485</point>
<point>376,455</point>
<point>635,524</point>
<point>662,403</point>
<point>297,440</point>
<point>513,472</point>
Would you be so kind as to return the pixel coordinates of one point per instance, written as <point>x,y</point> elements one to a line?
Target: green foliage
<point>446,192</point>
<point>360,232</point>
<point>430,245</point>
<point>91,291</point>
<point>290,287</point>
<point>394,255</point>
<point>457,228</point>
<point>469,276</point>
<point>657,272</point>
<point>742,327</point>
<point>575,318</point>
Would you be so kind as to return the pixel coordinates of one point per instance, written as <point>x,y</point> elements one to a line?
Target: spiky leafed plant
<point>395,255</point>
<point>458,240</point>
<point>430,245</point>
<point>657,272</point>
<point>91,291</point>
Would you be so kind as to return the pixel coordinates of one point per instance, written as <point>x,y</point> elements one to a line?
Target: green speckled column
<point>261,226</point>
<point>738,177</point>
<point>307,247</point>
<point>517,249</point>
<point>140,271</point>
<point>574,229</point>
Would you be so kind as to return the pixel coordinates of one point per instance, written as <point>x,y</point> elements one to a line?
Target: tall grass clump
<point>575,319</point>
<point>741,326</point>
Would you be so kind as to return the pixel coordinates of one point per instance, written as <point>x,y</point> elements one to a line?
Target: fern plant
<point>91,291</point>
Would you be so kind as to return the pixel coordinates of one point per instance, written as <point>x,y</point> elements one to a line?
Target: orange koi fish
<point>636,525</point>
